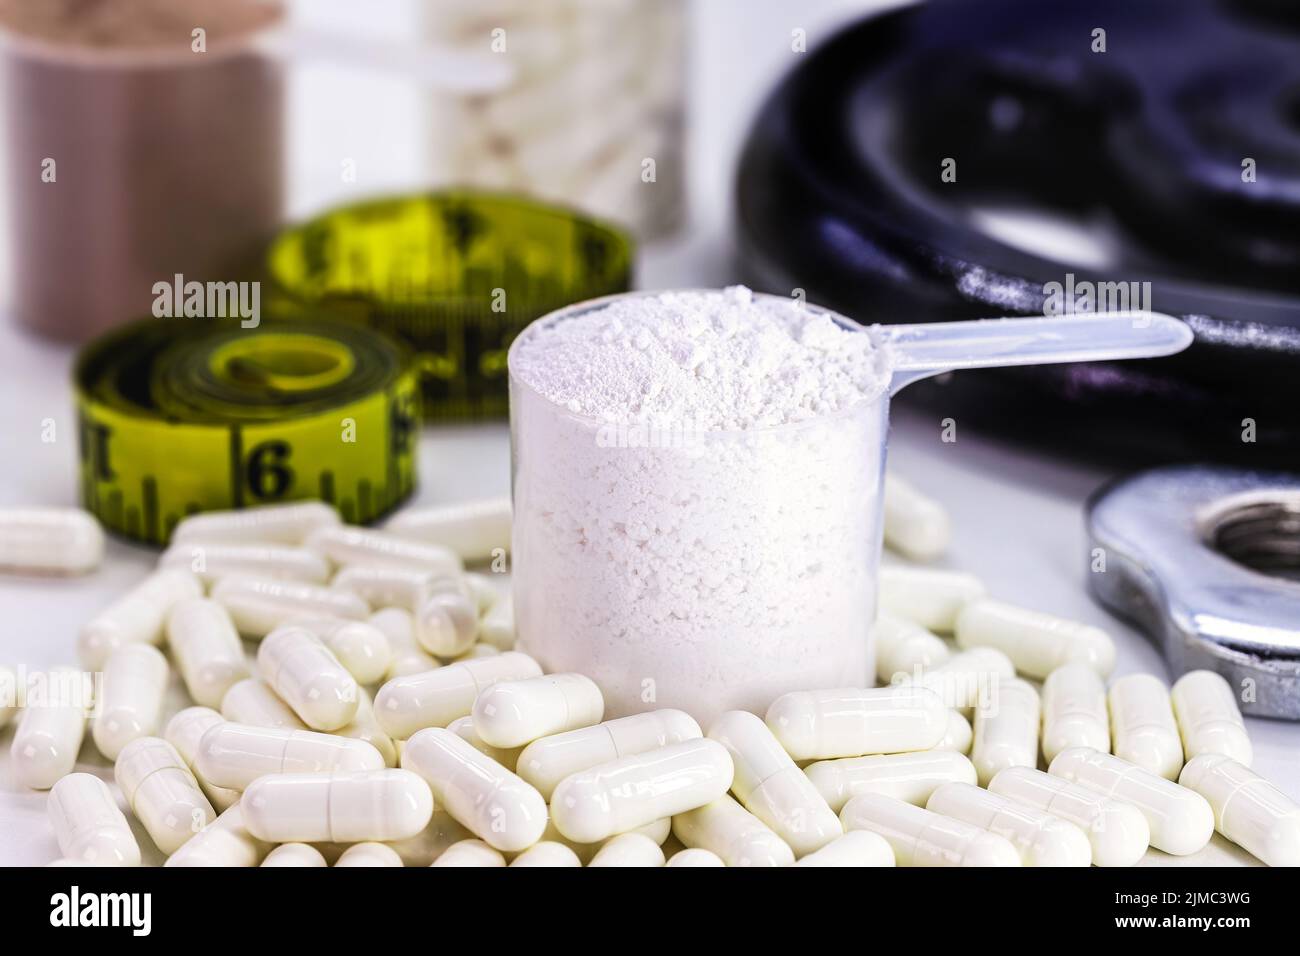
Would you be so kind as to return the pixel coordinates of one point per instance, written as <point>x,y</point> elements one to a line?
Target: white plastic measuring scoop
<point>715,569</point>
<point>927,349</point>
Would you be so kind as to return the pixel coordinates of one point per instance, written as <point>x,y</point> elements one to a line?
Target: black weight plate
<point>839,193</point>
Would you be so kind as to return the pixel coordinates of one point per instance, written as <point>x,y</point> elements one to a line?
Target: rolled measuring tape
<point>178,416</point>
<point>455,275</point>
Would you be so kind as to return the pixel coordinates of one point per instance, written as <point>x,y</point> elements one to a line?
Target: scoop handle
<point>926,349</point>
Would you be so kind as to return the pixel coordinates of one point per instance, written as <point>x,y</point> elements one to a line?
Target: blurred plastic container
<point>594,118</point>
<point>132,155</point>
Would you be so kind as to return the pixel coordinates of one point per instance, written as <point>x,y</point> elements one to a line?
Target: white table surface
<point>1016,515</point>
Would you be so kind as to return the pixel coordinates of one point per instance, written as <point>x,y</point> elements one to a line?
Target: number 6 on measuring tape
<point>179,416</point>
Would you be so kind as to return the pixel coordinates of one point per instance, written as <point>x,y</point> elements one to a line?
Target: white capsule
<point>8,695</point>
<point>695,856</point>
<point>1119,833</point>
<point>726,829</point>
<point>431,842</point>
<point>348,545</point>
<point>497,626</point>
<point>206,649</point>
<point>337,807</point>
<point>929,598</point>
<point>470,853</point>
<point>1180,819</point>
<point>1208,718</point>
<point>52,727</point>
<point>632,791</point>
<point>916,526</point>
<point>366,727</point>
<point>657,830</point>
<point>49,541</point>
<point>968,678</point>
<point>922,838</point>
<point>161,792</point>
<point>184,732</point>
<point>475,530</point>
<point>1040,838</point>
<point>1037,643</point>
<point>435,698</point>
<point>212,561</point>
<point>407,657</point>
<point>253,702</point>
<point>398,626</point>
<point>294,854</point>
<point>487,799</point>
<point>137,617</point>
<point>911,777</point>
<point>270,524</point>
<point>359,646</point>
<point>853,849</point>
<point>629,849</point>
<point>477,651</point>
<point>383,586</point>
<point>445,613</point>
<point>88,824</point>
<point>959,736</point>
<point>369,854</point>
<point>1074,711</point>
<point>223,842</point>
<point>65,861</point>
<point>234,755</point>
<point>517,712</point>
<point>446,624</point>
<point>1142,726</point>
<point>545,762</point>
<point>331,851</point>
<point>1248,810</point>
<point>1006,730</point>
<point>903,646</point>
<point>131,698</point>
<point>484,592</point>
<point>547,853</point>
<point>307,677</point>
<point>849,722</point>
<point>771,787</point>
<point>260,605</point>
<point>463,727</point>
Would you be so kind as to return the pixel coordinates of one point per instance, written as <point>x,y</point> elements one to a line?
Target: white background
<point>1017,516</point>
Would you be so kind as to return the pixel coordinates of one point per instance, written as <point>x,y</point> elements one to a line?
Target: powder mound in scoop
<point>713,360</point>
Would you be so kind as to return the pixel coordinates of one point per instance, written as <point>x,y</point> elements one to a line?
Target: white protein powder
<point>697,498</point>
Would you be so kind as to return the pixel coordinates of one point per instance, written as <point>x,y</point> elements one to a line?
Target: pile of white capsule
<point>466,754</point>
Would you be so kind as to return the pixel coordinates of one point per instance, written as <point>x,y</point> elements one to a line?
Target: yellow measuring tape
<point>186,415</point>
<point>456,275</point>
